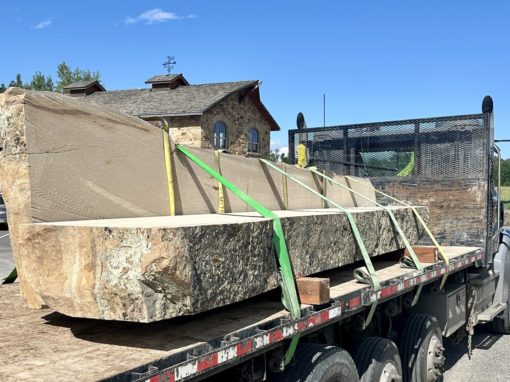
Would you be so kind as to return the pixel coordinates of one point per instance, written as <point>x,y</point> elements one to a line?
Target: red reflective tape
<point>243,349</point>
<point>324,316</point>
<point>208,362</point>
<point>167,376</point>
<point>301,325</point>
<point>276,336</point>
<point>355,302</point>
<point>314,320</point>
<point>388,291</point>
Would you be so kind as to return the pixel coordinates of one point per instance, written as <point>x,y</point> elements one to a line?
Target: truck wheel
<point>421,349</point>
<point>320,363</point>
<point>377,359</point>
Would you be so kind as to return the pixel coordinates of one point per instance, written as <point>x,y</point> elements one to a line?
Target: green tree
<point>274,155</point>
<point>18,82</point>
<point>67,76</point>
<point>277,157</point>
<point>41,82</point>
<point>505,172</point>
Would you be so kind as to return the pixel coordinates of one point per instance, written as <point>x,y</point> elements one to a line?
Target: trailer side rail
<point>237,347</point>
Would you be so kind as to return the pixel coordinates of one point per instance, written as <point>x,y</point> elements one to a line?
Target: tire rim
<point>435,359</point>
<point>390,373</point>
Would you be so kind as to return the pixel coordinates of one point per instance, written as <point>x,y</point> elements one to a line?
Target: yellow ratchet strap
<point>221,195</point>
<point>324,185</point>
<point>285,189</point>
<point>168,162</point>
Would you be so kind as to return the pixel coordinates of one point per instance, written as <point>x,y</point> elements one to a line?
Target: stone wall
<point>189,136</point>
<point>239,114</point>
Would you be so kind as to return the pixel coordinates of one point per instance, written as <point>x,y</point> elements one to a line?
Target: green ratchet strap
<point>442,255</point>
<point>414,262</point>
<point>290,297</point>
<point>374,281</point>
<point>11,278</point>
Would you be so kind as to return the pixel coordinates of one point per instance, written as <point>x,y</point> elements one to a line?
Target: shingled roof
<point>185,100</point>
<point>166,78</point>
<point>180,101</point>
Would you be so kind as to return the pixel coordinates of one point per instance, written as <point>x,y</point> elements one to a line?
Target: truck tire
<point>421,349</point>
<point>377,359</point>
<point>319,363</point>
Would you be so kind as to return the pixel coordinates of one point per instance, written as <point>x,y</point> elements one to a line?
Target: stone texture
<point>457,206</point>
<point>239,115</point>
<point>149,269</point>
<point>64,160</point>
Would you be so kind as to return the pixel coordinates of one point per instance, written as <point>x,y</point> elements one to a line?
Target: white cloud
<point>43,24</point>
<point>155,16</point>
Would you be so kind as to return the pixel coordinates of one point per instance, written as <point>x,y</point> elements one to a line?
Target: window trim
<point>252,143</point>
<point>218,124</point>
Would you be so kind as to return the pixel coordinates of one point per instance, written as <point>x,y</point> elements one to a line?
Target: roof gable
<point>183,100</point>
<point>178,101</point>
<point>167,81</point>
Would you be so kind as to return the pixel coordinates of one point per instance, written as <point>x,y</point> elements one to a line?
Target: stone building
<point>228,115</point>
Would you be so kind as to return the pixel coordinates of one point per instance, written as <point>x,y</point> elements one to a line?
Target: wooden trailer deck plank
<point>42,345</point>
<point>342,283</point>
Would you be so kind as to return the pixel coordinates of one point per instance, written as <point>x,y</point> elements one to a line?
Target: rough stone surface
<point>457,206</point>
<point>63,160</point>
<point>149,269</point>
<point>239,115</point>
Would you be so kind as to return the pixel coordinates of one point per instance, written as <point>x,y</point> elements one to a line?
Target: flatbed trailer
<point>395,333</point>
<point>43,345</point>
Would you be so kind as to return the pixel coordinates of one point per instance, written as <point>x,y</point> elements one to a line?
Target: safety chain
<point>470,321</point>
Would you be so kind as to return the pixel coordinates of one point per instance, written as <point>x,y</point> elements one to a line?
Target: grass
<point>505,193</point>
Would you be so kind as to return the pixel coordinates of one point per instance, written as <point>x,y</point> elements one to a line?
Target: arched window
<point>253,140</point>
<point>219,135</point>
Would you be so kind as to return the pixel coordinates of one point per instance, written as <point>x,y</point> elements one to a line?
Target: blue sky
<point>374,60</point>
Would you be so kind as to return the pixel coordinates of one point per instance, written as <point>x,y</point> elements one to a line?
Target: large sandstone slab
<point>149,269</point>
<point>63,159</point>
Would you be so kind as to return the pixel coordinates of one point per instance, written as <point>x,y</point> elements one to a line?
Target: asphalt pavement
<point>491,353</point>
<point>6,260</point>
<point>490,360</point>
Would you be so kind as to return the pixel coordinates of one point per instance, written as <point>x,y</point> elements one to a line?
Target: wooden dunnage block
<point>426,254</point>
<point>313,290</point>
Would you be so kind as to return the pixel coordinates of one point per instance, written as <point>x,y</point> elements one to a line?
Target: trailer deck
<point>43,345</point>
